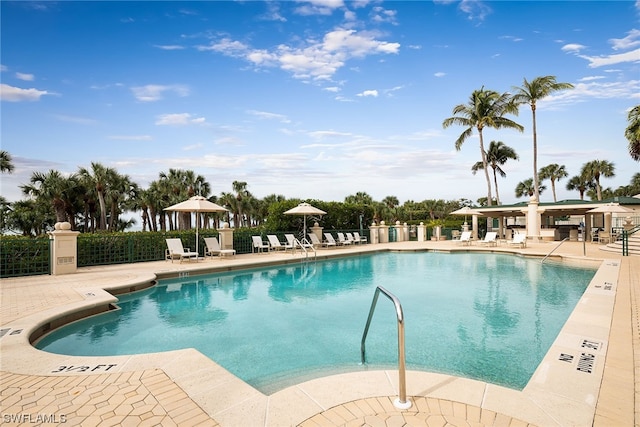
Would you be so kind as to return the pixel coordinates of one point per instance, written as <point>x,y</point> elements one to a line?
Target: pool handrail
<point>552,250</point>
<point>401,402</point>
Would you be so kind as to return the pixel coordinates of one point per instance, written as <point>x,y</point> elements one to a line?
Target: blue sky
<point>312,99</point>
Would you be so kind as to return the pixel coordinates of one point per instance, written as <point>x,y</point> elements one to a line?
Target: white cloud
<point>366,93</point>
<point>440,74</point>
<point>16,94</point>
<point>75,119</point>
<point>318,60</point>
<point>4,68</point>
<point>572,47</point>
<point>179,119</point>
<point>334,89</point>
<point>630,41</point>
<point>151,93</point>
<point>169,47</point>
<point>318,7</point>
<point>25,77</point>
<point>269,116</point>
<point>600,61</point>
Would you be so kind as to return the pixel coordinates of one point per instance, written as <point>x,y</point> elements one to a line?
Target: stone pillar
<point>226,236</point>
<point>422,232</point>
<point>317,230</point>
<point>383,232</point>
<point>374,234</point>
<point>533,218</point>
<point>64,249</point>
<point>405,229</point>
<point>474,227</point>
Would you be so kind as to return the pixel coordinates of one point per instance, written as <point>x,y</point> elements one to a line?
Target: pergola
<point>543,213</point>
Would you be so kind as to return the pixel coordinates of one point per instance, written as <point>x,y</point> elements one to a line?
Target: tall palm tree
<point>54,188</point>
<point>595,169</point>
<point>360,198</point>
<point>530,93</point>
<point>6,162</point>
<point>485,108</point>
<point>553,172</point>
<point>580,183</point>
<point>100,177</point>
<point>525,188</point>
<point>392,203</point>
<point>632,133</point>
<point>497,155</point>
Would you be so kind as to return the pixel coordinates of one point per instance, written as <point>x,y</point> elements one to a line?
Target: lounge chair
<point>455,235</point>
<point>213,248</point>
<point>489,239</point>
<point>330,240</point>
<point>357,236</point>
<point>276,245</point>
<point>342,240</point>
<point>519,239</point>
<point>317,243</point>
<point>352,238</point>
<point>259,245</point>
<point>175,250</point>
<point>465,238</point>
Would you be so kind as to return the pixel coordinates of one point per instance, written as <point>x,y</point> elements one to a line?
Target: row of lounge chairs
<point>175,250</point>
<point>490,239</point>
<point>273,244</point>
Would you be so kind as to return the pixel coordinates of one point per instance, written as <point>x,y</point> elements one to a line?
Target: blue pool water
<point>490,317</point>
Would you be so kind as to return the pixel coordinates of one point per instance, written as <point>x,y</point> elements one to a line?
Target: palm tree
<point>595,169</point>
<point>55,189</point>
<point>99,177</point>
<point>6,162</point>
<point>486,108</point>
<point>392,202</point>
<point>553,172</point>
<point>632,133</point>
<point>497,155</point>
<point>360,198</point>
<point>580,183</point>
<point>525,188</point>
<point>530,93</point>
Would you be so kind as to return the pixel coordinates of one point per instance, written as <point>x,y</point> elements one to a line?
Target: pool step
<point>634,245</point>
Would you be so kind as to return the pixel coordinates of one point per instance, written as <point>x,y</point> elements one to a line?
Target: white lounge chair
<point>175,250</point>
<point>352,239</point>
<point>276,245</point>
<point>342,240</point>
<point>259,245</point>
<point>519,239</point>
<point>465,238</point>
<point>328,237</point>
<point>213,248</point>
<point>317,243</point>
<point>357,236</point>
<point>489,239</point>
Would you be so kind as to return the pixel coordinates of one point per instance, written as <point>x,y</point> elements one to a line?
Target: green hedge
<point>24,256</point>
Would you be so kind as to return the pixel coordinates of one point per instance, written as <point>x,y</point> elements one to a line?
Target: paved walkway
<point>186,388</point>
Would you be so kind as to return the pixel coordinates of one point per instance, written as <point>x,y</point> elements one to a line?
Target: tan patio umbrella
<point>465,211</point>
<point>305,209</point>
<point>196,204</point>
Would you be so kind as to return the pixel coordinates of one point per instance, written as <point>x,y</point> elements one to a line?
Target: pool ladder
<point>401,402</point>
<point>304,244</point>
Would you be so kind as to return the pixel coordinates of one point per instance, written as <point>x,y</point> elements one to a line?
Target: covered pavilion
<point>540,218</point>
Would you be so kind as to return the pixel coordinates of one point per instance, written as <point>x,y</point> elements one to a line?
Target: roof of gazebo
<point>559,208</point>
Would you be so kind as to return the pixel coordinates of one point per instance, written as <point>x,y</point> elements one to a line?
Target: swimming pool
<point>490,317</point>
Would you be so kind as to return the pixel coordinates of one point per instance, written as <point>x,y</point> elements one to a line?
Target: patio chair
<point>329,238</point>
<point>317,243</point>
<point>465,238</point>
<point>351,238</point>
<point>259,245</point>
<point>357,236</point>
<point>276,245</point>
<point>342,240</point>
<point>519,239</point>
<point>213,248</point>
<point>489,239</point>
<point>175,250</point>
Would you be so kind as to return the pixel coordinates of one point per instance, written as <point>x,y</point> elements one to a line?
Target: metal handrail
<point>402,402</point>
<point>625,239</point>
<point>304,244</point>
<point>552,250</point>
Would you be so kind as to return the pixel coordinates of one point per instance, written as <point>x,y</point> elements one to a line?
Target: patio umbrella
<point>196,204</point>
<point>465,211</point>
<point>607,210</point>
<point>305,209</point>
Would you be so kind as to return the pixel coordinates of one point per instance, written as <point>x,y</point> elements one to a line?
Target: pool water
<point>490,317</point>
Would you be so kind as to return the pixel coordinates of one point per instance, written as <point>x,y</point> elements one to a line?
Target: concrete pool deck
<point>587,377</point>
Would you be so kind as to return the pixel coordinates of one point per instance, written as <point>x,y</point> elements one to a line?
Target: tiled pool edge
<point>264,407</point>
